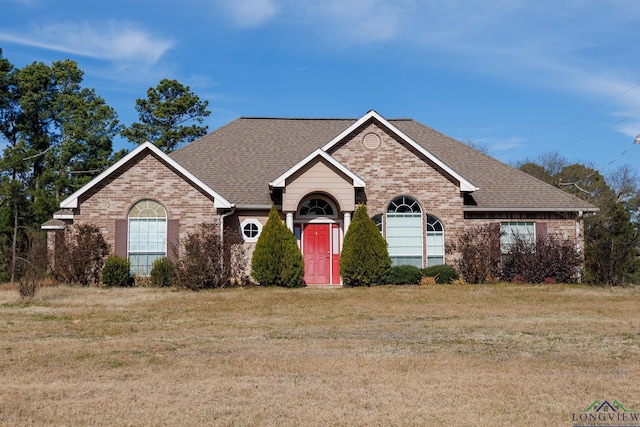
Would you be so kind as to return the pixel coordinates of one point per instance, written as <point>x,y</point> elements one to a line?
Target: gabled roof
<point>465,185</point>
<point>72,201</point>
<point>281,180</point>
<point>241,158</point>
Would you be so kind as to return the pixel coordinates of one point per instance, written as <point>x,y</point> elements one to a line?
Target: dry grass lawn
<point>437,355</point>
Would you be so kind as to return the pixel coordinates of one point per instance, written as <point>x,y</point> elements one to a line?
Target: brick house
<point>421,187</point>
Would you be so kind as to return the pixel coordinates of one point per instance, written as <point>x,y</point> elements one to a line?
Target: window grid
<point>510,230</point>
<point>147,240</point>
<point>405,231</point>
<point>435,241</point>
<point>316,207</point>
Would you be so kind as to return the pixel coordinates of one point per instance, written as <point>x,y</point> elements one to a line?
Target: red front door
<point>317,256</point>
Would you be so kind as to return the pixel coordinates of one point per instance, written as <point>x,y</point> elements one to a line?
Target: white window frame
<point>434,233</point>
<point>136,248</point>
<point>510,229</point>
<point>247,222</point>
<point>318,197</point>
<point>412,210</point>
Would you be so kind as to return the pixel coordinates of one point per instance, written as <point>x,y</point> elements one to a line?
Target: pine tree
<point>164,114</point>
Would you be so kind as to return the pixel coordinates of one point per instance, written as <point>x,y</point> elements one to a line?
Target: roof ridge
<point>315,118</point>
<point>295,118</point>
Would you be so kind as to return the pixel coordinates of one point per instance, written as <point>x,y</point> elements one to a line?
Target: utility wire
<point>582,114</point>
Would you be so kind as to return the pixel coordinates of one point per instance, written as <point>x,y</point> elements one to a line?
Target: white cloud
<point>112,42</point>
<point>250,13</point>
<point>358,21</point>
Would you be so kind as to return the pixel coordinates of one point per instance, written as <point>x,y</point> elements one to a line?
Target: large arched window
<point>147,235</point>
<point>435,241</point>
<point>404,231</point>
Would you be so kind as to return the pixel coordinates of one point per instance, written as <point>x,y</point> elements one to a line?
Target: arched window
<point>435,241</point>
<point>404,231</point>
<point>147,235</point>
<point>379,221</point>
<point>316,207</point>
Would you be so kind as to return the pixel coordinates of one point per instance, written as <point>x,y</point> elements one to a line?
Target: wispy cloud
<point>250,13</point>
<point>112,41</point>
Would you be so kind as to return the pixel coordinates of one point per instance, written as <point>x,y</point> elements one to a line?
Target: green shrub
<point>277,260</point>
<point>365,259</point>
<point>163,272</point>
<point>404,275</point>
<point>117,272</point>
<point>442,273</point>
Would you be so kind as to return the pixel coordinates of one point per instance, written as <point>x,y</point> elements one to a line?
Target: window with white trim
<point>435,241</point>
<point>509,231</point>
<point>250,229</point>
<point>405,231</point>
<point>147,239</point>
<point>316,207</point>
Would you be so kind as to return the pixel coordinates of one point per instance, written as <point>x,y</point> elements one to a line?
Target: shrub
<point>547,260</point>
<point>31,265</point>
<point>207,262</point>
<point>162,272</point>
<point>404,275</point>
<point>479,253</point>
<point>365,259</point>
<point>117,272</point>
<point>442,273</point>
<point>79,255</point>
<point>427,281</point>
<point>277,260</point>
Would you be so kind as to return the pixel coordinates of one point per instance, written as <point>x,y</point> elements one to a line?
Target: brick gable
<point>145,177</point>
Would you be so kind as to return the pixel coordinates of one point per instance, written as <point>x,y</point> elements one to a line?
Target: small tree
<point>277,260</point>
<point>365,258</point>
<point>32,265</point>
<point>611,242</point>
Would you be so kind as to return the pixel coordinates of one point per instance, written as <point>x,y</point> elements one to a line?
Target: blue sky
<point>520,77</point>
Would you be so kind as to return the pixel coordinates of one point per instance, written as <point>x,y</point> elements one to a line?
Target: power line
<point>551,129</point>
<point>582,114</point>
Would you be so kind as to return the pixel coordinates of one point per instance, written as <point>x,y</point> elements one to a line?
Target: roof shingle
<point>239,160</point>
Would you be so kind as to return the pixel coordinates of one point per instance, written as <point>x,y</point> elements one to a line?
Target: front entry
<point>317,256</point>
<point>321,253</point>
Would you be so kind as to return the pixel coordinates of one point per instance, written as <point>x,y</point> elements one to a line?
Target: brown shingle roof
<point>239,160</point>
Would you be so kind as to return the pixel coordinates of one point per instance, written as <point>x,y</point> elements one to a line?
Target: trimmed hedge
<point>442,273</point>
<point>404,275</point>
<point>163,273</point>
<point>365,259</point>
<point>117,272</point>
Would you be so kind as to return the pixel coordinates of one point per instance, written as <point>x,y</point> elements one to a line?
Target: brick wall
<point>394,169</point>
<point>145,177</point>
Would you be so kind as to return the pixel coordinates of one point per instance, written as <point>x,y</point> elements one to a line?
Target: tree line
<point>57,135</point>
<point>612,235</point>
